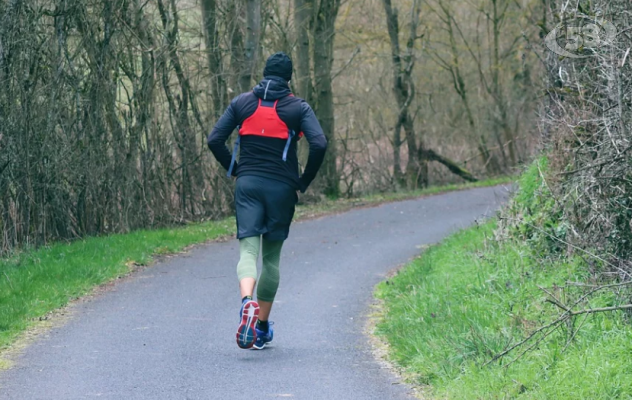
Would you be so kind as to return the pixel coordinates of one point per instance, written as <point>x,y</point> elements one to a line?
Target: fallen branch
<point>537,342</point>
<point>568,313</point>
<point>601,309</point>
<point>540,329</point>
<point>553,325</point>
<point>431,155</point>
<point>554,300</point>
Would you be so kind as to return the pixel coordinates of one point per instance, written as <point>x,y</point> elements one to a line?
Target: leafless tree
<point>404,90</point>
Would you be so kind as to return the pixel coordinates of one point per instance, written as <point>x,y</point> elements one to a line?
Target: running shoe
<point>263,338</point>
<point>246,332</point>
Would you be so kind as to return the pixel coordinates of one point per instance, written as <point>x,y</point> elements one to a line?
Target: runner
<point>270,121</point>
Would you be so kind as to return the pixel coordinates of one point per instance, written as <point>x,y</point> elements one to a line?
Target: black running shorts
<point>264,206</point>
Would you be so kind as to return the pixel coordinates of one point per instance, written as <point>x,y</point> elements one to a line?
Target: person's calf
<point>270,276</point>
<point>247,287</point>
<point>265,307</point>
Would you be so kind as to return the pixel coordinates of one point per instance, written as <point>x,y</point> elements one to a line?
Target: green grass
<point>33,283</point>
<point>36,282</point>
<point>468,298</point>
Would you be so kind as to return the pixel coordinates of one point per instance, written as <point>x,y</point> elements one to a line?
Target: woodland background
<point>105,104</point>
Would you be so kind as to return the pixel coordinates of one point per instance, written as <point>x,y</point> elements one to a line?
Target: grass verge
<point>470,297</point>
<point>36,282</point>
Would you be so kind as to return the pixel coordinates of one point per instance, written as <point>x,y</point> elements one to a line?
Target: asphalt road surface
<point>169,331</point>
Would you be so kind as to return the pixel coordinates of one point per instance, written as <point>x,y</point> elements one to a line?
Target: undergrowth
<point>452,311</point>
<point>464,301</point>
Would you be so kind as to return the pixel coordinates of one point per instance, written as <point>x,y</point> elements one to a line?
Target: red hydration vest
<point>264,122</point>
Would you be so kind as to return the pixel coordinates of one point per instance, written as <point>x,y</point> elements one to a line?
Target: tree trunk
<point>497,90</point>
<point>404,91</point>
<point>191,177</point>
<point>211,36</point>
<point>398,176</point>
<point>144,105</point>
<point>324,32</point>
<point>251,47</point>
<point>237,54</point>
<point>303,11</point>
<point>489,160</point>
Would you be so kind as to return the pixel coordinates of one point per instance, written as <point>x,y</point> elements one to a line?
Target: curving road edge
<point>168,332</point>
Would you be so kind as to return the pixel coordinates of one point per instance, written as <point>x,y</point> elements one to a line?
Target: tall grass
<point>469,298</point>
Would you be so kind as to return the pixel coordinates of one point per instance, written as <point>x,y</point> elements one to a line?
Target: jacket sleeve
<point>220,134</point>
<point>317,145</point>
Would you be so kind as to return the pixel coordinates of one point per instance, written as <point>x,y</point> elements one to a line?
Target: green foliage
<point>533,214</point>
<point>452,309</point>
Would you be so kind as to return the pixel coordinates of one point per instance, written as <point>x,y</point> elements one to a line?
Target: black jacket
<point>262,156</point>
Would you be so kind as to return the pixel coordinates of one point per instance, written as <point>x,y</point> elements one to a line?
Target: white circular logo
<point>578,36</point>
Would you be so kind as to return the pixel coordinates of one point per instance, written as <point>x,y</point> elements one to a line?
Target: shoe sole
<point>246,333</point>
<point>255,347</point>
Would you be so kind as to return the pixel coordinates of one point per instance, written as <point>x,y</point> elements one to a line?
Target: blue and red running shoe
<point>263,337</point>
<point>246,333</point>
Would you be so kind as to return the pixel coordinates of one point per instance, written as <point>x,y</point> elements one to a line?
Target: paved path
<point>168,332</point>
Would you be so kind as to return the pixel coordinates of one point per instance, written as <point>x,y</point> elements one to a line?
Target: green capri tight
<point>247,267</point>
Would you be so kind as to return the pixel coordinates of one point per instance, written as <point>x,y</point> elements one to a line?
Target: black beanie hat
<point>279,64</point>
